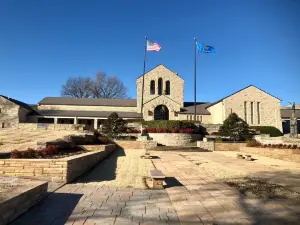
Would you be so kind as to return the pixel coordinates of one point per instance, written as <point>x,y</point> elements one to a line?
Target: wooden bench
<point>157,178</point>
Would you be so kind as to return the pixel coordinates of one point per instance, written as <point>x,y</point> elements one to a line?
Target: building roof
<point>240,91</point>
<point>88,101</point>
<point>19,103</point>
<point>287,113</point>
<point>190,109</point>
<point>69,113</point>
<point>158,66</point>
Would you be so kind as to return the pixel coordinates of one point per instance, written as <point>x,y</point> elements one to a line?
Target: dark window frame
<point>152,87</point>
<point>168,88</point>
<point>160,86</point>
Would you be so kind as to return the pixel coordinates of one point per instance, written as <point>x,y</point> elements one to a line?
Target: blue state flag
<point>204,48</point>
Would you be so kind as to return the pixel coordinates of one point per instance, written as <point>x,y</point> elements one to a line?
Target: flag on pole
<point>204,48</point>
<point>152,46</point>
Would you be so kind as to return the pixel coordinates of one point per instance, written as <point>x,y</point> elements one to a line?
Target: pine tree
<point>114,125</point>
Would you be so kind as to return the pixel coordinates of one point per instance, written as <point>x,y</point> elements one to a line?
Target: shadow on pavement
<point>104,171</point>
<point>172,182</point>
<point>55,209</point>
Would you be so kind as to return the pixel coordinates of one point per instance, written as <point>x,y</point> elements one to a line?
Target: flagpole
<point>145,54</point>
<point>195,49</point>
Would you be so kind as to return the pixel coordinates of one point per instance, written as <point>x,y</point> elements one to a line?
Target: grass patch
<point>261,189</point>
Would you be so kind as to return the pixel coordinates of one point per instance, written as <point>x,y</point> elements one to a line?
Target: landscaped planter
<point>292,155</point>
<point>98,147</point>
<point>136,144</point>
<point>174,139</point>
<point>59,170</point>
<point>16,200</point>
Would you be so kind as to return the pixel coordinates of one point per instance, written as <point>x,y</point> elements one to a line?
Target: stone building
<point>163,99</point>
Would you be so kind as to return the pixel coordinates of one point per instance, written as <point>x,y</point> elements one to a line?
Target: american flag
<point>152,46</point>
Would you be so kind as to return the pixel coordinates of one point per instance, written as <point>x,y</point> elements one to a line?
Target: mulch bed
<point>262,189</point>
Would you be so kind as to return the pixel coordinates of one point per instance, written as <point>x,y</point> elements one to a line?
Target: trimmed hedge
<point>273,131</point>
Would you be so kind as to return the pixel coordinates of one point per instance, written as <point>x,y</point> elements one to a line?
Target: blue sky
<point>42,43</point>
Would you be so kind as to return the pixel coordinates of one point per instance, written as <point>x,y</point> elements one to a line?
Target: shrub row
<point>47,152</point>
<point>254,143</point>
<point>165,130</point>
<point>272,131</point>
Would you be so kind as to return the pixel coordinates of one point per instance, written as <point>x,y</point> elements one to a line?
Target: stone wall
<point>208,145</point>
<point>9,114</point>
<point>174,139</point>
<point>266,139</point>
<point>229,146</point>
<point>136,144</point>
<point>59,170</point>
<point>215,146</point>
<point>34,126</point>
<point>292,155</point>
<point>20,198</point>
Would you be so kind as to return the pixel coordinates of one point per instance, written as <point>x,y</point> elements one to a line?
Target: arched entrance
<point>161,112</point>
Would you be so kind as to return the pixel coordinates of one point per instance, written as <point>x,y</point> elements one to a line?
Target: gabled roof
<point>88,101</point>
<point>240,91</point>
<point>287,113</point>
<point>189,108</point>
<point>19,103</point>
<point>158,66</point>
<point>79,113</point>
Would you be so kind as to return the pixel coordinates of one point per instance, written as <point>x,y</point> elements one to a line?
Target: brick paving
<point>190,197</point>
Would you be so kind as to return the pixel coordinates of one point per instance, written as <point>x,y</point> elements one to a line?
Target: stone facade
<point>9,113</point>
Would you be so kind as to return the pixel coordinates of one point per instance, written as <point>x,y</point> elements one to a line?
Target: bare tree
<point>108,87</point>
<point>102,86</point>
<point>77,87</point>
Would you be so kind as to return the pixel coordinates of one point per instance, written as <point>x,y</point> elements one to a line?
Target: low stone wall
<point>174,139</point>
<point>266,139</point>
<point>34,126</point>
<point>98,147</point>
<point>136,144</point>
<point>223,146</point>
<point>208,145</point>
<point>292,155</point>
<point>229,146</point>
<point>18,199</point>
<point>59,170</point>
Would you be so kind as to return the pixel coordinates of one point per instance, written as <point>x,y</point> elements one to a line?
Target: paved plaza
<point>192,194</point>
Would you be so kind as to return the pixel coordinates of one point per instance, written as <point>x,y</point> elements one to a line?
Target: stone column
<point>95,123</point>
<point>55,120</point>
<point>75,120</point>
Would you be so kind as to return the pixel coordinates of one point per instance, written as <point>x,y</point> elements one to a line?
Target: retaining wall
<point>59,170</point>
<point>208,145</point>
<point>34,126</point>
<point>292,155</point>
<point>136,144</point>
<point>20,198</point>
<point>174,139</point>
<point>223,146</point>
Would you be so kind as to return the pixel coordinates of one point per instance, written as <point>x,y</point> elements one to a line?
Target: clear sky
<point>42,43</point>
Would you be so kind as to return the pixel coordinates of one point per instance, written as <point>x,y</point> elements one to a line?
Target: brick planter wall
<point>292,155</point>
<point>136,144</point>
<point>60,170</point>
<point>20,198</point>
<point>174,139</point>
<point>215,146</point>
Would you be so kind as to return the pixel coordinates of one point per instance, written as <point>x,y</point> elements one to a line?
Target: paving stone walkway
<point>190,197</point>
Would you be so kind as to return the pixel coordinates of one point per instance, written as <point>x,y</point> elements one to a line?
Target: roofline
<point>155,68</point>
<point>240,91</point>
<point>17,102</point>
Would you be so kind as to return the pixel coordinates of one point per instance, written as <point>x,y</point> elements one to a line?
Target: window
<point>201,119</point>
<point>152,87</point>
<point>230,110</point>
<point>258,114</point>
<point>160,86</point>
<point>167,87</point>
<point>187,117</point>
<point>251,112</point>
<point>245,111</point>
<point>197,118</point>
<point>191,117</point>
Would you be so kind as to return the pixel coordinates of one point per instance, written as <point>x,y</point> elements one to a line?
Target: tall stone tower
<point>163,94</point>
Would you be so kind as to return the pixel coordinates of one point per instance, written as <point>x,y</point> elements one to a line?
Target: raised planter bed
<point>58,170</point>
<point>174,139</point>
<point>18,196</point>
<point>292,155</point>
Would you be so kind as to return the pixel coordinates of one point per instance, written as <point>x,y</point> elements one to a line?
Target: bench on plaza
<point>157,179</point>
<point>241,156</point>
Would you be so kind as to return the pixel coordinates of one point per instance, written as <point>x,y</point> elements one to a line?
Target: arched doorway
<point>161,112</point>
